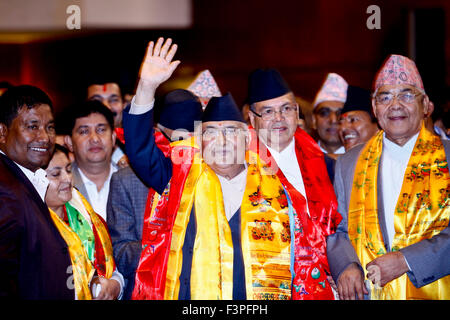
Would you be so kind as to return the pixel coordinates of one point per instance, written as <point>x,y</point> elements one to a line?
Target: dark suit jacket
<point>429,259</point>
<point>125,217</point>
<point>34,259</point>
<point>147,160</point>
<point>330,163</point>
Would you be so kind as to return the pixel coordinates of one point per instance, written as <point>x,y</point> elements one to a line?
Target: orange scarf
<point>83,268</point>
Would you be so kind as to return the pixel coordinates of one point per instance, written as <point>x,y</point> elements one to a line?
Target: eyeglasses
<point>269,113</point>
<point>404,97</point>
<point>211,133</point>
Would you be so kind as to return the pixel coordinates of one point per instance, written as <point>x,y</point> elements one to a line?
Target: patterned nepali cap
<point>398,70</point>
<point>334,88</point>
<point>205,87</point>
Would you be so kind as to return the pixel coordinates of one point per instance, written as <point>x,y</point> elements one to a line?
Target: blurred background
<point>304,40</point>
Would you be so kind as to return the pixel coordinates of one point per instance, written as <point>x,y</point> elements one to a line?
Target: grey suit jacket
<point>78,182</point>
<point>125,218</point>
<point>428,259</point>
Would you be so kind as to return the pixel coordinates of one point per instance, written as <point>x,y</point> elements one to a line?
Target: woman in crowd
<point>85,232</point>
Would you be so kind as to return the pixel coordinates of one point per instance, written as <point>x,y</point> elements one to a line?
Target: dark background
<point>305,40</point>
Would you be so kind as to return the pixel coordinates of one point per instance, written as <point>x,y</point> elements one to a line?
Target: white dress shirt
<point>340,150</point>
<point>38,179</point>
<point>288,163</point>
<point>233,192</point>
<point>137,109</point>
<point>117,155</point>
<point>98,199</point>
<point>394,161</point>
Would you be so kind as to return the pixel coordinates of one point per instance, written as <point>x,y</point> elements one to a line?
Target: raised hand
<point>156,68</point>
<point>157,65</point>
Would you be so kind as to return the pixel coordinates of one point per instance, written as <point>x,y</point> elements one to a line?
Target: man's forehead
<point>396,88</point>
<point>93,119</point>
<point>275,102</point>
<point>354,113</point>
<point>35,111</point>
<point>332,105</point>
<point>103,89</point>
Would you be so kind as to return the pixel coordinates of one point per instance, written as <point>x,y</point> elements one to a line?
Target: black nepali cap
<point>222,109</point>
<point>180,110</point>
<point>357,99</point>
<point>265,84</point>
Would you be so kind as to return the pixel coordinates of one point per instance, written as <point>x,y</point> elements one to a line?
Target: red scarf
<point>120,134</point>
<point>151,272</point>
<point>100,257</point>
<point>311,263</point>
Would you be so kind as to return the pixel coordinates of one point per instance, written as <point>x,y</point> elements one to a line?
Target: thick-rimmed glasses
<point>269,113</point>
<point>386,98</point>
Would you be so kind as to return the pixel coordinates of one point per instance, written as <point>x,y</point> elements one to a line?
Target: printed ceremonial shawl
<point>264,232</point>
<point>422,210</point>
<point>311,263</point>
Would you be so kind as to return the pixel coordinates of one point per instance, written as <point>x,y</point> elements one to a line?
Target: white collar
<point>397,152</point>
<point>290,149</point>
<point>288,164</point>
<point>38,179</point>
<point>233,192</point>
<point>237,180</point>
<point>340,150</point>
<point>86,180</point>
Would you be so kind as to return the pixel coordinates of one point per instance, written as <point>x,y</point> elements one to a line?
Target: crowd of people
<point>209,200</point>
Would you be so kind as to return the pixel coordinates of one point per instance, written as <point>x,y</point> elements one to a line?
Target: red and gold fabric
<point>311,263</point>
<point>264,233</point>
<point>422,210</point>
<point>83,268</point>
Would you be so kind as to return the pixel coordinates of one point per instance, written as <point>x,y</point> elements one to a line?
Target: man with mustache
<point>357,124</point>
<point>299,163</point>
<point>327,107</point>
<point>92,140</point>
<point>109,93</point>
<point>393,193</point>
<point>34,258</point>
<point>219,225</point>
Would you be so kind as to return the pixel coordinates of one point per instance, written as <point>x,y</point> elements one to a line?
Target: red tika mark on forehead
<point>104,87</point>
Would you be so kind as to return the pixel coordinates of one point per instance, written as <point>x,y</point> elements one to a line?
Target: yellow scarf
<point>422,210</point>
<point>265,237</point>
<point>83,268</point>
